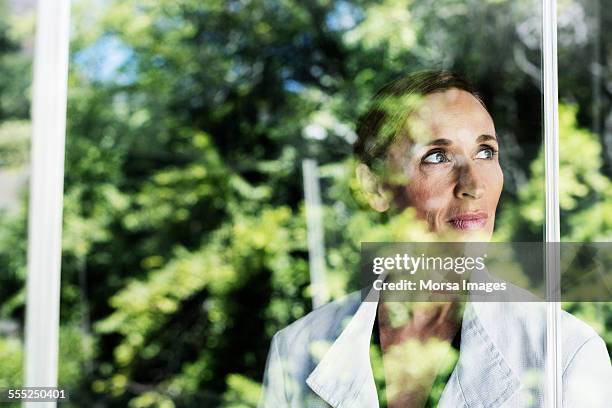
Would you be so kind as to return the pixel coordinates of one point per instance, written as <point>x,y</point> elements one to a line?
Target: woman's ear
<point>372,188</point>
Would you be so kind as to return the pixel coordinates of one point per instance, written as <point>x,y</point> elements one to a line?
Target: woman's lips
<point>469,221</point>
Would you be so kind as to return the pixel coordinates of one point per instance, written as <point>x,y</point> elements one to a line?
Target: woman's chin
<point>465,234</point>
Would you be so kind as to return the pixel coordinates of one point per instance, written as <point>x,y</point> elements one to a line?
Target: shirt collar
<point>343,377</point>
<point>482,377</point>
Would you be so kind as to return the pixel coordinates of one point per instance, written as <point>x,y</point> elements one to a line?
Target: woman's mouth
<point>469,221</point>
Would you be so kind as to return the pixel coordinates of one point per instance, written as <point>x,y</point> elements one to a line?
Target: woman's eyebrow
<point>485,138</point>
<point>440,142</point>
<point>448,142</point>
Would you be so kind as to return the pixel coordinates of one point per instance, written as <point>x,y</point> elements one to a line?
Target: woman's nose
<point>469,184</point>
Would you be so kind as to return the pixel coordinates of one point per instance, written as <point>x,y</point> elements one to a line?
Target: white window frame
<point>553,385</point>
<point>50,86</point>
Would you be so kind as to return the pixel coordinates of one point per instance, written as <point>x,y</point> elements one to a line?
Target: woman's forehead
<point>453,115</point>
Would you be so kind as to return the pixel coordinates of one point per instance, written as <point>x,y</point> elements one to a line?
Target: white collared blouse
<point>323,360</point>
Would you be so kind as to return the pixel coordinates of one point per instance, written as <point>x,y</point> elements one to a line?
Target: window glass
<point>586,162</point>
<point>221,178</point>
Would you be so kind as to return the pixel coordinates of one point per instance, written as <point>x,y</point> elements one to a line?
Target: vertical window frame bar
<point>553,372</point>
<point>315,232</point>
<point>49,101</point>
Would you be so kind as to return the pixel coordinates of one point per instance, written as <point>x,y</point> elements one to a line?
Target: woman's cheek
<point>495,184</point>
<point>428,195</point>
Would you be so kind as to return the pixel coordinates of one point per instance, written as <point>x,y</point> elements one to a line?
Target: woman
<point>429,143</point>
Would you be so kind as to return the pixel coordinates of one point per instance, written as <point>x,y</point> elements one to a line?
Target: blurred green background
<point>184,246</point>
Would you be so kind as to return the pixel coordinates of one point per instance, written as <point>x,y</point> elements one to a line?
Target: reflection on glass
<point>185,223</point>
<point>586,151</point>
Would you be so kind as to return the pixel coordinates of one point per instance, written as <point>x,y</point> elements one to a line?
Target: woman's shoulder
<point>527,321</point>
<point>323,323</point>
<point>579,337</point>
<point>526,313</point>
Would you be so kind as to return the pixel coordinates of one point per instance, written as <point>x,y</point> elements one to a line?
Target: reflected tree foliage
<point>184,245</point>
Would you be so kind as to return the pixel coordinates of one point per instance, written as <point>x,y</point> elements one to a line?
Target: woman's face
<point>450,164</point>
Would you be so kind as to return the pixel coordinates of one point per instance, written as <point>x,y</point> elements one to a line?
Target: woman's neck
<point>417,343</point>
<point>400,321</point>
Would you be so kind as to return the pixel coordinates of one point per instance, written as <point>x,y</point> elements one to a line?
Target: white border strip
<point>553,391</point>
<point>46,194</point>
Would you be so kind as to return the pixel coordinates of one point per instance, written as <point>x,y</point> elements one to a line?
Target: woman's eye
<point>435,157</point>
<point>485,153</point>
